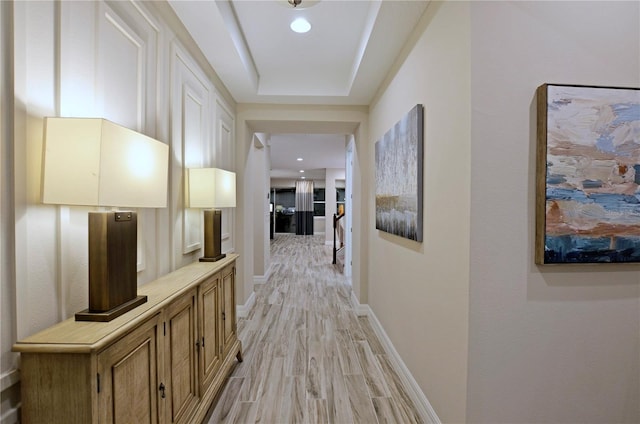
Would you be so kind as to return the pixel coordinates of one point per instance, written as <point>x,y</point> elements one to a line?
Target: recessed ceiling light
<point>299,159</point>
<point>300,25</point>
<point>303,178</point>
<point>302,170</point>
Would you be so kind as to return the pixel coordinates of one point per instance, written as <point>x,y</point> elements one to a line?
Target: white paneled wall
<point>130,63</point>
<point>191,132</point>
<point>127,63</point>
<point>108,67</point>
<point>202,134</point>
<point>225,159</point>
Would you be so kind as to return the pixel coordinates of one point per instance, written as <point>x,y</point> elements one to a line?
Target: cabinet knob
<point>162,388</point>
<point>224,317</point>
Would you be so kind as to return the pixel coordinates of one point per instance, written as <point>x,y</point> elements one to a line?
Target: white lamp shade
<point>92,161</point>
<point>211,188</point>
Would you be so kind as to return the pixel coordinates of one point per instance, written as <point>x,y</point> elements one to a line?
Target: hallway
<point>307,357</point>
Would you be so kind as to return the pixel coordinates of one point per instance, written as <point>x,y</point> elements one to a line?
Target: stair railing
<point>338,233</point>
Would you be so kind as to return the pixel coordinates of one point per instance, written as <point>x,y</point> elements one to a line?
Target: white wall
<point>547,344</point>
<point>419,291</point>
<point>542,343</point>
<point>127,62</point>
<point>258,174</point>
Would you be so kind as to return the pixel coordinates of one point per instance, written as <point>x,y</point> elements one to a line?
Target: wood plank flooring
<point>307,357</point>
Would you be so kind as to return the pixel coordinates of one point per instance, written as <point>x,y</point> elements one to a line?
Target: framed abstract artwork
<point>399,177</point>
<point>588,175</point>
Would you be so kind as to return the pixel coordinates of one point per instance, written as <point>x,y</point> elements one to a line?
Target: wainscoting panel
<point>120,71</point>
<point>225,159</point>
<point>191,114</point>
<point>126,77</point>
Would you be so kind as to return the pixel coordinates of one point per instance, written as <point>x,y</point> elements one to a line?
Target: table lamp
<point>211,188</point>
<point>94,162</point>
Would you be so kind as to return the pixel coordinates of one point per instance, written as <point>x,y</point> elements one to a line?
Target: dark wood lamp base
<point>113,285</point>
<point>107,316</point>
<point>212,236</point>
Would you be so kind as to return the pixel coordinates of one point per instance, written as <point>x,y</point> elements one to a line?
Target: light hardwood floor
<point>307,357</point>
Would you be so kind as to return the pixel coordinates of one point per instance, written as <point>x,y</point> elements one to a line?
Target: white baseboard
<point>242,311</point>
<point>420,401</point>
<point>262,279</point>
<point>360,309</point>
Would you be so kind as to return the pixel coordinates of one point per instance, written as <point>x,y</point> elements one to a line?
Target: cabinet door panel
<point>210,349</point>
<point>229,306</point>
<point>137,363</point>
<point>181,358</point>
<point>128,375</point>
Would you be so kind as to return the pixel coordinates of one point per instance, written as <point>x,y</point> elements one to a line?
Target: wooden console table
<point>162,362</point>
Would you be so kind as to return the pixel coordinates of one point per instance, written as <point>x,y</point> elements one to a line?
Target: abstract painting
<point>588,175</point>
<point>399,177</point>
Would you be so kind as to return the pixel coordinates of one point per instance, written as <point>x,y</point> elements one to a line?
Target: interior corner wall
<point>244,207</point>
<point>419,291</point>
<point>558,343</point>
<point>360,213</point>
<point>259,177</point>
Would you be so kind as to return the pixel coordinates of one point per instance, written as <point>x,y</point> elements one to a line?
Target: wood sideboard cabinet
<point>162,362</point>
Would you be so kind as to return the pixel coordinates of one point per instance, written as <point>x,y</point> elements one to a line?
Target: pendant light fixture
<point>298,4</point>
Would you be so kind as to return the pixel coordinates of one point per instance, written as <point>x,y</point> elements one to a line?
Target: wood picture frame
<point>588,174</point>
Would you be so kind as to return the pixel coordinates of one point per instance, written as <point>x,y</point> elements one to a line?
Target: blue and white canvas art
<point>399,177</point>
<point>588,175</point>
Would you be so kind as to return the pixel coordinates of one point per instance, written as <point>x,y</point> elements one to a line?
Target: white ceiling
<point>342,60</point>
<point>318,151</point>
